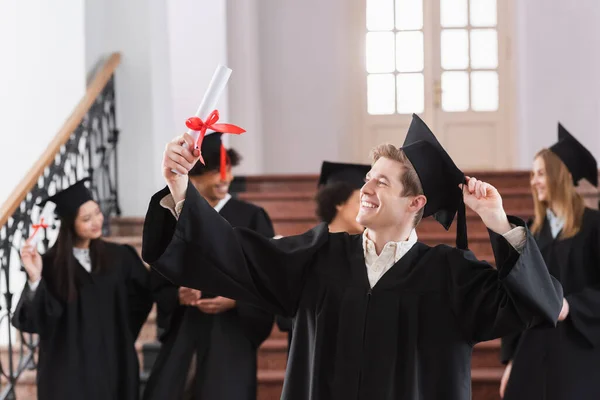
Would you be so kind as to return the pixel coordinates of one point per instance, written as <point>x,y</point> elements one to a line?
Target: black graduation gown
<point>225,344</point>
<point>563,363</point>
<point>409,337</point>
<point>86,348</point>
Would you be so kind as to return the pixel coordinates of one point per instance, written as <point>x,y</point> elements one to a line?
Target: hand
<point>216,305</point>
<point>505,377</point>
<point>188,296</point>
<point>485,200</point>
<point>32,261</point>
<point>564,312</point>
<point>181,159</point>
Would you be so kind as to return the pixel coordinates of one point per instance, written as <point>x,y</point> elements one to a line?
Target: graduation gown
<point>563,363</point>
<point>225,344</point>
<point>409,337</point>
<point>86,348</point>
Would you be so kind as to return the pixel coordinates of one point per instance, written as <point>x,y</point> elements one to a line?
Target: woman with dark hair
<point>338,197</point>
<point>87,299</point>
<point>562,363</point>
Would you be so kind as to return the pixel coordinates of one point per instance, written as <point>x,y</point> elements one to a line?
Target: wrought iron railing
<point>89,151</point>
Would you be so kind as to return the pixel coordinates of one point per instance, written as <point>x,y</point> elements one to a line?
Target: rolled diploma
<point>48,215</point>
<point>211,97</point>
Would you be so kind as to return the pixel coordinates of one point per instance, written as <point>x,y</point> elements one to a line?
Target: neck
<point>381,237</point>
<point>82,243</point>
<point>555,210</point>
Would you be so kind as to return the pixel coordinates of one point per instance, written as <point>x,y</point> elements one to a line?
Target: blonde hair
<point>411,185</point>
<point>561,193</point>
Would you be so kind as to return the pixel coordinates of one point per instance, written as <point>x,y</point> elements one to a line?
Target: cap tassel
<point>223,164</point>
<point>462,241</point>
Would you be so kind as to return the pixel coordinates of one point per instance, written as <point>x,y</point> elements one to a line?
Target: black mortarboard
<point>70,199</point>
<point>352,174</point>
<point>439,176</point>
<point>214,154</point>
<point>579,161</point>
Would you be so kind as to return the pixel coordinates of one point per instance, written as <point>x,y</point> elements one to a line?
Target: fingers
<point>207,302</point>
<point>186,139</point>
<point>179,155</point>
<point>208,306</point>
<point>28,250</point>
<point>477,188</point>
<point>188,296</point>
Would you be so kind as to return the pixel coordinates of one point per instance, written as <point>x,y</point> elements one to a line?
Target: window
<point>395,57</point>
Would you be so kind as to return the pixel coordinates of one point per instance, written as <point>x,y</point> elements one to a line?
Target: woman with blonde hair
<point>563,362</point>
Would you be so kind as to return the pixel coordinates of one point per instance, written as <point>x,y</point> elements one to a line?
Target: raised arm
<point>517,294</point>
<point>38,310</point>
<point>202,251</point>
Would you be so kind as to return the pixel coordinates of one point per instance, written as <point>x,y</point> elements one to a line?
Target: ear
<point>417,203</point>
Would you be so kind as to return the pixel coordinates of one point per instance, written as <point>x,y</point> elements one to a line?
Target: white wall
<point>137,29</point>
<point>195,50</point>
<point>245,102</point>
<point>97,45</point>
<point>300,108</point>
<point>558,73</point>
<point>42,78</point>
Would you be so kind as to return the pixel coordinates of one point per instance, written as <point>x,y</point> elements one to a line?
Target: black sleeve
<point>584,305</point>
<point>284,324</point>
<point>262,224</point>
<point>37,311</point>
<point>168,309</point>
<point>492,303</point>
<point>257,323</point>
<point>138,290</point>
<point>201,250</point>
<point>508,347</point>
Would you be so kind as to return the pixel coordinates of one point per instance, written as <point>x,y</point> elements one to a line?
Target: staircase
<point>289,202</point>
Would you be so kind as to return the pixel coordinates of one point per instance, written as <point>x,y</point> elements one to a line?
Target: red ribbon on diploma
<point>37,227</point>
<point>196,124</point>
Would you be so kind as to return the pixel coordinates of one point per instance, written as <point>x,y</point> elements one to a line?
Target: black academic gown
<point>86,348</point>
<point>410,337</point>
<point>225,344</point>
<point>563,363</point>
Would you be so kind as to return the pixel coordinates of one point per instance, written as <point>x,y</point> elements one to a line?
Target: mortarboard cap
<point>579,161</point>
<point>352,174</point>
<point>70,199</point>
<point>439,176</point>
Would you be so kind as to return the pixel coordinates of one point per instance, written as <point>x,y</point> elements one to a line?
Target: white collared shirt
<point>556,223</point>
<point>378,265</point>
<point>222,203</point>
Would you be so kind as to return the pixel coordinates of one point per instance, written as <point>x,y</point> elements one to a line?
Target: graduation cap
<point>352,174</point>
<point>70,199</point>
<point>439,176</point>
<point>214,154</point>
<point>579,161</point>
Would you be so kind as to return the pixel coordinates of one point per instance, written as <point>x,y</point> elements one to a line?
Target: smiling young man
<point>377,315</point>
